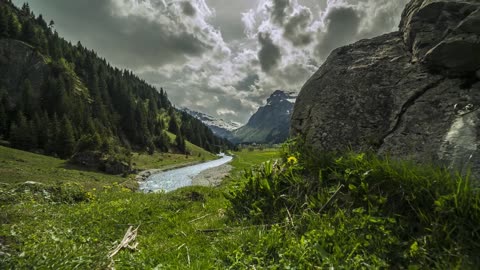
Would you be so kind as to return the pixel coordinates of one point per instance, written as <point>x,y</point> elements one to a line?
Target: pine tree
<point>3,122</point>
<point>3,23</point>
<point>53,130</point>
<point>172,125</point>
<point>20,136</point>
<point>26,9</point>
<point>27,104</point>
<point>65,139</point>
<point>28,33</point>
<point>180,143</point>
<point>41,127</point>
<point>14,26</point>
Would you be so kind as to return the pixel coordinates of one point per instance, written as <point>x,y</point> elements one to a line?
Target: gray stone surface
<point>444,35</point>
<point>409,94</point>
<point>18,62</point>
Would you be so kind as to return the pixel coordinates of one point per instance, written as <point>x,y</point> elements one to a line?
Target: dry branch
<point>193,220</point>
<point>128,238</point>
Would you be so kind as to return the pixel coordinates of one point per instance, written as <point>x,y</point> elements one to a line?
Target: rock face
<point>18,62</point>
<point>411,94</point>
<point>100,161</point>
<point>270,124</point>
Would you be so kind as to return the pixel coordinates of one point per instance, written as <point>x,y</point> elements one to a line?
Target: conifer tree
<point>53,129</point>
<point>65,139</point>
<point>180,143</point>
<point>20,136</point>
<point>3,23</point>
<point>172,125</point>
<point>3,122</point>
<point>41,127</point>
<point>14,26</point>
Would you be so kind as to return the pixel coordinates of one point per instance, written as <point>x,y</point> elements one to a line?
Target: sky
<point>221,57</point>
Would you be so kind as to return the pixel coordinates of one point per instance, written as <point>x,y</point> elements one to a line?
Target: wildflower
<point>292,160</point>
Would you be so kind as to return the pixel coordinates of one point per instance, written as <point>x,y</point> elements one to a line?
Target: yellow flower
<point>292,160</point>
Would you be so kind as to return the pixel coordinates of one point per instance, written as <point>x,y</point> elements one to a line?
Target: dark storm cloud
<point>130,41</point>
<point>209,54</point>
<point>269,53</point>
<point>343,24</point>
<point>279,10</point>
<point>294,29</point>
<point>247,82</point>
<point>188,9</point>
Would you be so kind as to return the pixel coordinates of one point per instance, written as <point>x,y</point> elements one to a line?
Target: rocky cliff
<point>270,124</point>
<point>19,62</point>
<point>414,93</point>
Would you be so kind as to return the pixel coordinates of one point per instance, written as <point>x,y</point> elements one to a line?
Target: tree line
<point>84,103</point>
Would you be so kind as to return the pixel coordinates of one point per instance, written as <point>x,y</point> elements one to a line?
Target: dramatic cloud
<point>295,28</point>
<point>220,57</point>
<point>269,54</point>
<point>248,83</point>
<point>279,10</point>
<point>342,26</point>
<point>188,9</point>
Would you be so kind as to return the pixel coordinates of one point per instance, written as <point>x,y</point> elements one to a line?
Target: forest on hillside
<point>82,103</point>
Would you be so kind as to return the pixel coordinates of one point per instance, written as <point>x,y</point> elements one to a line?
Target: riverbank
<point>52,227</point>
<point>173,179</point>
<point>144,175</point>
<point>212,177</point>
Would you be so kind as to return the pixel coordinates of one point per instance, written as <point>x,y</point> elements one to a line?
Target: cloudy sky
<point>222,57</point>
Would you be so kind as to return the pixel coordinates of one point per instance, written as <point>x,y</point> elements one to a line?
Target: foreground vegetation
<point>301,212</point>
<point>67,227</point>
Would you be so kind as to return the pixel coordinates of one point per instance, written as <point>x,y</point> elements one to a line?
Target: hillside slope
<point>60,99</point>
<point>271,123</point>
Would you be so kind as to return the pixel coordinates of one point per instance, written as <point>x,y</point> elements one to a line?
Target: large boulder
<point>409,94</point>
<point>444,35</point>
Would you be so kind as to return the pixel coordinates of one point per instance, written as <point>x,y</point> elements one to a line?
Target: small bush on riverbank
<point>358,211</point>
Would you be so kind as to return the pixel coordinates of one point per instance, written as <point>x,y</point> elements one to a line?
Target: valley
<point>368,159</point>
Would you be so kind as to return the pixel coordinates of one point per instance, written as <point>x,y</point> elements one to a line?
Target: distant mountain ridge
<point>270,124</point>
<point>219,127</point>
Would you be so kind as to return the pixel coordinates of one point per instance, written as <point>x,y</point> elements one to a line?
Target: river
<point>182,177</point>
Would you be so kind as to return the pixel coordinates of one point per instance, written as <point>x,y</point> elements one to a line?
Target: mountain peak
<point>279,96</point>
<point>270,124</point>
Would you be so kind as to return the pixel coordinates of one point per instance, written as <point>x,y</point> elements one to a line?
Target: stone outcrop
<point>18,62</point>
<point>100,161</point>
<point>411,94</point>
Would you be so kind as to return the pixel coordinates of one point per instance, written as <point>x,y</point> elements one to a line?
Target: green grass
<point>351,211</point>
<point>143,161</point>
<point>50,233</point>
<point>18,166</point>
<point>245,158</point>
<point>356,211</point>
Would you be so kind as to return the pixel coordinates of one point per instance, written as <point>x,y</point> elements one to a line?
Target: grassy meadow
<point>278,210</point>
<point>65,226</point>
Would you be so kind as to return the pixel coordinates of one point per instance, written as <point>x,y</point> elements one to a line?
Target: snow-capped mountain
<point>271,123</point>
<point>219,127</point>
